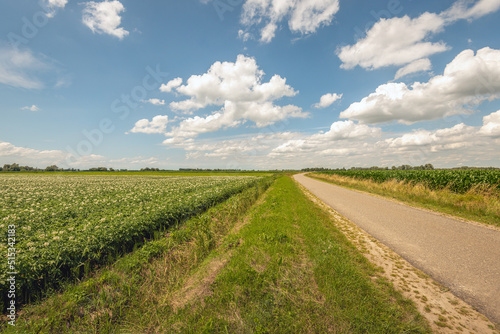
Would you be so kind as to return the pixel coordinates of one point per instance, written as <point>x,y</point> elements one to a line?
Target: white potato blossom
<point>77,217</point>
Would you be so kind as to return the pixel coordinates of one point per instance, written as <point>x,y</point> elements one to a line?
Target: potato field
<point>62,226</point>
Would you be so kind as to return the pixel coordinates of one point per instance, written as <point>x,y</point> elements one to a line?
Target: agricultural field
<point>62,225</point>
<point>459,181</point>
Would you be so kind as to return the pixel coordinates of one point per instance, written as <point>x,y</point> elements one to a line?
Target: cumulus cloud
<point>438,139</point>
<point>491,125</point>
<point>468,80</point>
<point>136,161</point>
<point>304,16</point>
<point>344,132</point>
<point>169,86</point>
<point>104,18</point>
<point>156,102</point>
<point>157,125</point>
<point>239,90</point>
<point>402,40</point>
<point>10,150</point>
<point>240,81</point>
<point>397,41</point>
<point>327,100</point>
<point>351,144</point>
<point>32,108</point>
<point>420,65</point>
<point>42,158</point>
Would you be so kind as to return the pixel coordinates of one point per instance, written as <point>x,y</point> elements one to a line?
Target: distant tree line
<point>402,167</point>
<point>17,168</point>
<point>207,170</point>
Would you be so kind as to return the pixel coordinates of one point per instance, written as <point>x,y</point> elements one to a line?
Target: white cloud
<point>437,139</point>
<point>42,158</point>
<point>347,130</point>
<point>401,40</point>
<point>268,32</point>
<point>17,68</point>
<point>157,125</point>
<point>491,125</point>
<point>52,6</point>
<point>174,83</point>
<point>32,108</point>
<point>469,79</point>
<point>238,89</point>
<point>156,102</point>
<point>136,161</point>
<point>420,65</point>
<point>231,115</point>
<point>244,35</point>
<point>242,151</point>
<point>104,17</point>
<point>341,133</point>
<point>304,16</point>
<point>396,41</point>
<point>25,156</point>
<point>350,144</point>
<point>462,10</point>
<point>327,100</point>
<point>308,15</point>
<point>240,81</point>
<point>10,150</point>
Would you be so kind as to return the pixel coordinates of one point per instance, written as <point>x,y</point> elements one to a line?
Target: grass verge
<point>287,270</point>
<point>476,205</point>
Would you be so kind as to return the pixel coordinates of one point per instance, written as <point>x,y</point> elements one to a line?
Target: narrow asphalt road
<point>463,257</point>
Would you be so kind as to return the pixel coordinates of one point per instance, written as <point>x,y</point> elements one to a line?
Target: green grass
<point>281,268</point>
<point>290,271</point>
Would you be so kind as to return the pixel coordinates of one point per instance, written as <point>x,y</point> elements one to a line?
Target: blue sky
<point>251,84</point>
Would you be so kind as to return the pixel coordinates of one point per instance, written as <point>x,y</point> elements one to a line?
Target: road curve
<point>463,257</point>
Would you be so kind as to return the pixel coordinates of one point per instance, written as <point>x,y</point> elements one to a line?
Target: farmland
<point>65,225</point>
<point>259,262</point>
<point>459,181</point>
<point>174,252</point>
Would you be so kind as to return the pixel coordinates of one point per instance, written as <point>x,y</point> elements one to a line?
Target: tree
<point>52,168</point>
<point>11,168</point>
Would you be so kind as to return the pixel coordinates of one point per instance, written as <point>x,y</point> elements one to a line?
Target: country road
<point>462,256</point>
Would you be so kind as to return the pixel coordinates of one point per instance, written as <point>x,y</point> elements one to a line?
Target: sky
<point>249,84</point>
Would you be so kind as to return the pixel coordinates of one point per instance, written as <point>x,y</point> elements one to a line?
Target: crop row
<point>63,224</point>
<point>459,181</point>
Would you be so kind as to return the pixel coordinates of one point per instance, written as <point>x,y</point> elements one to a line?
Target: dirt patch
<point>197,286</point>
<point>445,312</point>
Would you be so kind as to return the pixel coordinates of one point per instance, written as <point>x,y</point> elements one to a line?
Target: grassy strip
<point>288,270</point>
<point>481,206</point>
<point>100,303</point>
